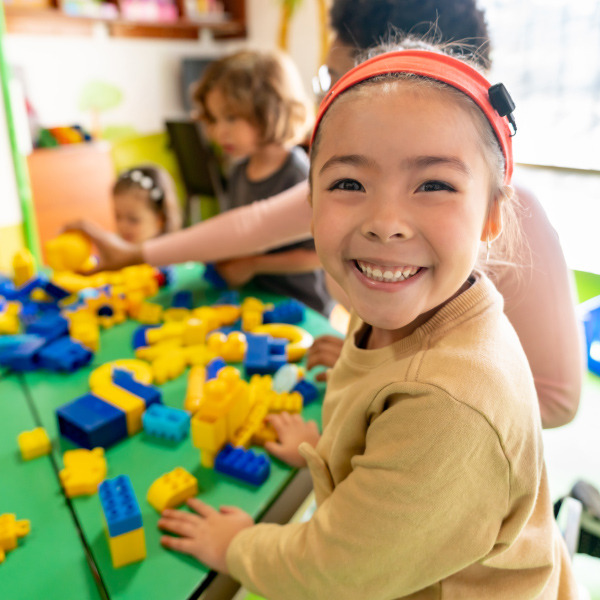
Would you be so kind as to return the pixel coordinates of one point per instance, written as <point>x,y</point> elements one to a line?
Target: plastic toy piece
<point>89,422</point>
<point>149,314</point>
<point>195,389</point>
<point>213,368</point>
<point>183,299</point>
<point>34,443</point>
<point>307,390</point>
<point>131,405</point>
<point>154,351</point>
<point>139,336</point>
<point>172,489</point>
<point>264,354</point>
<point>232,347</point>
<point>140,369</point>
<point>211,275</point>
<point>10,531</point>
<point>285,402</point>
<point>68,252</point>
<point>49,326</point>
<point>86,333</point>
<point>55,291</point>
<point>127,548</point>
<point>64,354</point>
<point>299,339</point>
<point>169,366</point>
<point>84,471</point>
<point>120,506</point>
<point>166,422</point>
<point>291,311</point>
<point>148,393</point>
<point>286,378</point>
<point>23,357</point>
<point>175,314</point>
<point>243,464</point>
<point>23,266</point>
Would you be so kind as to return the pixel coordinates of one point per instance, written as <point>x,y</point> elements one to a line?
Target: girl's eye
<point>436,186</point>
<point>347,185</point>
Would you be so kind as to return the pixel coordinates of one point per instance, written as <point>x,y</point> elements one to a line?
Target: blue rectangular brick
<point>120,506</point>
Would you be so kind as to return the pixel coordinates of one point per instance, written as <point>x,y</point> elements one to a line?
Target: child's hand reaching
<point>291,430</point>
<point>324,352</point>
<point>205,535</point>
<point>236,272</point>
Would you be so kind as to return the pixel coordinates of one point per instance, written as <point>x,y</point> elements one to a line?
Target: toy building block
<point>265,433</point>
<point>175,314</point>
<point>213,277</point>
<point>195,388</point>
<point>252,425</point>
<point>243,464</point>
<point>264,354</point>
<point>120,507</point>
<point>49,326</point>
<point>291,311</point>
<point>307,390</point>
<point>199,355</point>
<point>9,324</point>
<point>169,366</point>
<point>172,489</point>
<point>10,531</point>
<point>138,339</point>
<point>213,368</point>
<point>149,313</point>
<point>140,369</point>
<point>68,252</point>
<point>231,297</point>
<point>23,357</point>
<point>299,340</point>
<point>23,266</point>
<point>34,443</point>
<point>285,402</point>
<point>89,422</point>
<point>232,347</point>
<point>286,378</point>
<point>150,394</point>
<point>130,404</point>
<point>209,434</point>
<point>127,548</point>
<point>154,351</point>
<point>55,291</point>
<point>86,333</point>
<point>227,314</point>
<point>84,471</point>
<point>166,422</point>
<point>64,354</point>
<point>183,299</point>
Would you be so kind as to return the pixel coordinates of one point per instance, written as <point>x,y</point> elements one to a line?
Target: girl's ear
<point>493,224</point>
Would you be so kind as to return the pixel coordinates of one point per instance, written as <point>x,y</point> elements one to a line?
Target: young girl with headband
<point>429,476</point>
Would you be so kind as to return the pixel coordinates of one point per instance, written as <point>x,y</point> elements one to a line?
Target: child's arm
<point>291,431</point>
<point>239,271</point>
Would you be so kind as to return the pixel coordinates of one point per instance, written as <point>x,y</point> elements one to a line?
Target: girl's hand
<point>236,272</point>
<point>113,251</point>
<point>291,430</point>
<point>324,352</point>
<point>205,535</point>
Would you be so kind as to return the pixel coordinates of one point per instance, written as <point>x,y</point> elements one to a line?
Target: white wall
<point>55,68</point>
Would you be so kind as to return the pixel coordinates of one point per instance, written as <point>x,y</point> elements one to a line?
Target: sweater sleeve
<point>252,229</point>
<point>425,499</point>
<point>540,304</point>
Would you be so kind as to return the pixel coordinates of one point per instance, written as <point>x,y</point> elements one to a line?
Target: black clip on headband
<point>500,99</point>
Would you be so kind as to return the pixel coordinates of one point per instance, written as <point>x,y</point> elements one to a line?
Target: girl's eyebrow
<point>354,160</point>
<point>422,162</point>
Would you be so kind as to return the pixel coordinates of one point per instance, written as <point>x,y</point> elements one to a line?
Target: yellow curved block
<point>299,339</point>
<point>140,369</point>
<point>84,471</point>
<point>172,489</point>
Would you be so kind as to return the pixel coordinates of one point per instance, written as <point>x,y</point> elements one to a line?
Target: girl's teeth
<point>387,275</point>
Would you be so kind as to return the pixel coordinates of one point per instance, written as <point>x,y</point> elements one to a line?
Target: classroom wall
<point>56,68</point>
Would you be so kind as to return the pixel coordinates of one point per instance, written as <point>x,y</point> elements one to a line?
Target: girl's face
<point>237,136</point>
<point>400,193</point>
<point>136,221</point>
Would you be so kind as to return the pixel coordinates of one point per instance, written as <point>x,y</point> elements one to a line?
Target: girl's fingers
<point>181,528</point>
<point>179,515</point>
<point>185,545</point>
<point>204,510</point>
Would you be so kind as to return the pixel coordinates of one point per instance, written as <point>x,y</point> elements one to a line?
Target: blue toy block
<point>7,289</point>
<point>183,299</point>
<point>231,297</point>
<point>55,291</point>
<point>166,422</point>
<point>139,336</point>
<point>264,354</point>
<point>64,354</point>
<point>213,367</point>
<point>591,323</point>
<point>243,464</point>
<point>46,307</point>
<point>30,285</point>
<point>29,312</point>
<point>89,422</point>
<point>290,311</point>
<point>49,326</point>
<point>148,393</point>
<point>307,390</point>
<point>120,506</point>
<point>212,276</point>
<point>25,356</point>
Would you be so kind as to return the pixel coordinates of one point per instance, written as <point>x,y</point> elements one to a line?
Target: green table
<point>162,574</point>
<point>49,562</point>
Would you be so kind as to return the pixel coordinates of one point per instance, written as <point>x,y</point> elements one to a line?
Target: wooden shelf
<point>53,21</point>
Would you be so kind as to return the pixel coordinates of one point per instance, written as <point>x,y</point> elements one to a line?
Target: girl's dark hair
<point>263,88</point>
<point>365,23</point>
<point>159,188</point>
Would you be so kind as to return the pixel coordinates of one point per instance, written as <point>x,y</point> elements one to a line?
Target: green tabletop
<point>162,574</point>
<point>50,561</point>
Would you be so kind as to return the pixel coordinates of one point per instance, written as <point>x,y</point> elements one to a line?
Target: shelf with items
<point>128,18</point>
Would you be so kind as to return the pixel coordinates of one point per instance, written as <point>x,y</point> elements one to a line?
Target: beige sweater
<point>429,477</point>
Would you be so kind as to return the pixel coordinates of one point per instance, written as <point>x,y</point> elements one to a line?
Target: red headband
<point>440,67</point>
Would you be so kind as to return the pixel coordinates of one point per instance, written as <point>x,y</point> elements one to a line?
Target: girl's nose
<point>386,222</point>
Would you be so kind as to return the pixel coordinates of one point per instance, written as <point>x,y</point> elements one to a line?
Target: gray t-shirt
<point>307,287</point>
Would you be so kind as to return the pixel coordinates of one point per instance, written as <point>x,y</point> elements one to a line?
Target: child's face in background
<point>237,137</point>
<point>136,221</point>
<point>400,193</point>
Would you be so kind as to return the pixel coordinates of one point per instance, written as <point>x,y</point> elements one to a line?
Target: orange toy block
<point>84,471</point>
<point>172,489</point>
<point>10,531</point>
<point>34,443</point>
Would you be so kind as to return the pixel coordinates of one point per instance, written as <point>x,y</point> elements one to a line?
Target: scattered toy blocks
<point>150,394</point>
<point>64,354</point>
<point>10,531</point>
<point>172,489</point>
<point>243,464</point>
<point>307,390</point>
<point>84,471</point>
<point>291,311</point>
<point>34,443</point>
<point>166,422</point>
<point>286,378</point>
<point>264,354</point>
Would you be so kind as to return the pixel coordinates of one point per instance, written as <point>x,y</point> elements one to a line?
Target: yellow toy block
<point>259,387</point>
<point>251,319</point>
<point>299,339</point>
<point>209,434</point>
<point>195,388</point>
<point>165,332</point>
<point>9,324</point>
<point>199,355</point>
<point>130,404</point>
<point>154,351</point>
<point>84,471</point>
<point>134,301</point>
<point>227,314</point>
<point>194,332</point>
<point>34,443</point>
<point>231,348</point>
<point>172,489</point>
<point>149,313</point>
<point>23,266</point>
<point>10,531</point>
<point>169,366</point>
<point>175,314</point>
<point>140,370</point>
<point>86,333</point>
<point>290,402</point>
<point>264,434</point>
<point>253,423</point>
<point>68,252</point>
<point>40,295</point>
<point>127,548</point>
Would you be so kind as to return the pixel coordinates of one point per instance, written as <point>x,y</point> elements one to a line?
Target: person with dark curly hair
<point>538,295</point>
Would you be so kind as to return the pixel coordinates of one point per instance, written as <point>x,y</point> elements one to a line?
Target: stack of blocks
<point>123,521</point>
